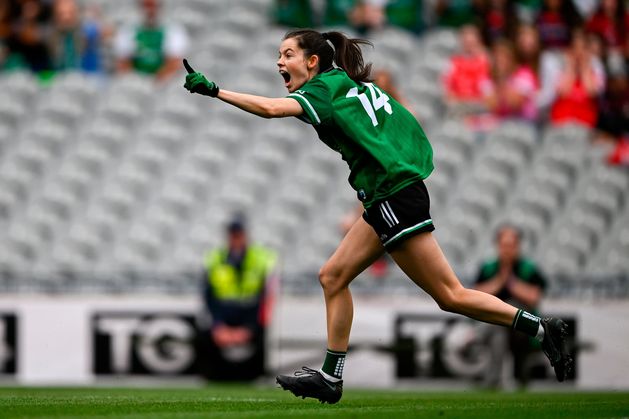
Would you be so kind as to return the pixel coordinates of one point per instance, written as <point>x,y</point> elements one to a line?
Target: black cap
<point>236,224</point>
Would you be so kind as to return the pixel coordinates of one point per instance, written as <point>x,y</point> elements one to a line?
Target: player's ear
<point>312,62</point>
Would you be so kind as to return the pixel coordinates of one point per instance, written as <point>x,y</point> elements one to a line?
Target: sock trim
<point>329,378</point>
<point>334,363</point>
<point>526,322</point>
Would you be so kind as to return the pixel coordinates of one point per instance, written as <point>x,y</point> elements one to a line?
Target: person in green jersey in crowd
<point>152,46</point>
<point>389,156</point>
<point>516,279</point>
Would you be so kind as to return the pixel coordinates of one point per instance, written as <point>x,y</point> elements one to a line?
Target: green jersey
<point>149,56</point>
<point>382,142</point>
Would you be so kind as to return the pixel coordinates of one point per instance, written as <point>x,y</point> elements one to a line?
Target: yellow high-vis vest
<point>230,284</point>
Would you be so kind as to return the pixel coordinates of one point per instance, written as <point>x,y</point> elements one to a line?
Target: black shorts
<point>400,216</point>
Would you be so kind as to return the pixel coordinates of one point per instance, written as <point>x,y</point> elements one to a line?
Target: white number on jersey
<point>378,100</point>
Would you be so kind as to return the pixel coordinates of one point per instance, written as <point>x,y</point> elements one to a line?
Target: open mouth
<point>285,76</point>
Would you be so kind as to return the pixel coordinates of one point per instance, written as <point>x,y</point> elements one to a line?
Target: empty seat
<point>22,85</point>
<point>34,159</point>
<point>541,199</point>
<point>62,108</point>
<point>51,135</point>
<point>9,202</point>
<point>152,160</point>
<point>561,261</point>
<point>397,43</point>
<point>11,111</point>
<point>121,109</point>
<point>120,202</point>
<point>93,160</point>
<point>60,201</point>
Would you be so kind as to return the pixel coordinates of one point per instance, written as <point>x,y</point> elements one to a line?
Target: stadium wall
<point>47,340</point>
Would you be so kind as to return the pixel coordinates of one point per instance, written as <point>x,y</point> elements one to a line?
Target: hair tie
<point>326,36</point>
<point>331,45</point>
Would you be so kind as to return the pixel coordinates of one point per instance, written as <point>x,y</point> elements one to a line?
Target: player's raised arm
<point>257,105</point>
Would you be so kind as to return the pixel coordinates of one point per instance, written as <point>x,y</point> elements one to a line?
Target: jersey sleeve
<point>315,99</point>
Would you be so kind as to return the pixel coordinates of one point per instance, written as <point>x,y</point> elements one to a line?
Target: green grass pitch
<point>267,402</point>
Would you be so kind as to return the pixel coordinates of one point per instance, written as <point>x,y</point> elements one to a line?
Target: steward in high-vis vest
<point>237,279</point>
<point>236,288</point>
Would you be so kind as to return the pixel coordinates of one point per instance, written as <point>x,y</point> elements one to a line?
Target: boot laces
<point>305,371</point>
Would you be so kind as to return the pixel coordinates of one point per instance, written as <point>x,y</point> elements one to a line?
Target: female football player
<point>389,156</point>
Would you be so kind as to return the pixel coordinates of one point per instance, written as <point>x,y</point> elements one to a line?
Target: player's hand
<point>197,83</point>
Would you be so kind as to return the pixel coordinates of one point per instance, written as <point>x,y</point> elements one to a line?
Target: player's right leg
<point>359,248</point>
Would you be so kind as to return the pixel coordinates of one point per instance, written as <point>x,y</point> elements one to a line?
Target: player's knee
<point>331,279</point>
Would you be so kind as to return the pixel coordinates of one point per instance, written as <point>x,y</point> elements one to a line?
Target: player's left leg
<point>359,248</point>
<point>421,258</point>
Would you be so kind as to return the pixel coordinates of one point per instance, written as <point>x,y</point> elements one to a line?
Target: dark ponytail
<point>346,52</point>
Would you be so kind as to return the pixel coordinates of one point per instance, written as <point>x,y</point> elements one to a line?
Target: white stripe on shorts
<point>385,216</point>
<point>391,213</point>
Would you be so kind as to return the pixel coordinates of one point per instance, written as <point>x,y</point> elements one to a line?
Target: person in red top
<point>580,83</point>
<point>610,22</point>
<point>467,71</point>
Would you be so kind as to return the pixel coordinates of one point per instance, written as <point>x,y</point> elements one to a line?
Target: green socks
<point>526,322</point>
<point>333,365</point>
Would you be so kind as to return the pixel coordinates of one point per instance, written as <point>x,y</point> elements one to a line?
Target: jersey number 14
<point>378,100</point>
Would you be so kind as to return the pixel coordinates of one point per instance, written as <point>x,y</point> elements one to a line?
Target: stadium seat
<point>560,261</point>
<point>11,111</point>
<point>119,110</point>
<point>8,203</point>
<point>442,41</point>
<point>22,85</point>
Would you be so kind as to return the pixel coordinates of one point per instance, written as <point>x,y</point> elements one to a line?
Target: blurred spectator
<point>609,26</point>
<point>467,73</point>
<point>152,47</point>
<point>457,13</point>
<point>528,10</point>
<point>406,14</point>
<point>613,118</point>
<point>620,155</point>
<point>556,21</point>
<point>360,15</point>
<point>5,31</point>
<point>294,13</point>
<point>236,280</point>
<point>368,15</point>
<point>611,22</point>
<point>24,28</point>
<point>586,8</point>
<point>499,20</point>
<point>337,12</point>
<point>528,48</point>
<point>384,80</point>
<point>579,83</point>
<point>76,44</point>
<point>511,91</point>
<point>516,280</point>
